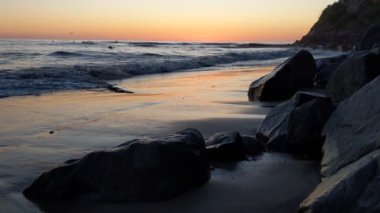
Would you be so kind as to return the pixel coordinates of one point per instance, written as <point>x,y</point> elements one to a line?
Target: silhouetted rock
<point>343,24</point>
<point>305,127</point>
<point>148,169</point>
<point>371,38</point>
<point>326,68</point>
<point>225,146</point>
<point>353,129</point>
<point>354,73</point>
<point>118,89</point>
<point>282,129</point>
<point>349,190</point>
<point>285,80</point>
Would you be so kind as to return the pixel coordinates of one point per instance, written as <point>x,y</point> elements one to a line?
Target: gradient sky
<point>160,20</point>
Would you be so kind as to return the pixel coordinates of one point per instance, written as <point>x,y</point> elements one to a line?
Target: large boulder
<point>326,68</point>
<point>294,126</point>
<point>353,188</point>
<point>371,38</point>
<point>351,75</point>
<point>225,146</point>
<point>148,169</point>
<point>285,80</point>
<point>305,126</point>
<point>353,129</point>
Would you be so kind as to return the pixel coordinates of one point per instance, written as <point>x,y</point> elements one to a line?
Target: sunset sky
<point>160,20</point>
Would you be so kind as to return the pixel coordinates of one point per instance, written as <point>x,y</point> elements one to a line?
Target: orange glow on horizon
<point>165,20</point>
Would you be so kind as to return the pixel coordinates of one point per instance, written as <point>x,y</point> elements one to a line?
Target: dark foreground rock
<point>285,80</point>
<point>295,126</point>
<point>351,160</point>
<point>353,129</point>
<point>350,76</point>
<point>351,189</point>
<point>149,169</point>
<point>305,127</point>
<point>225,146</point>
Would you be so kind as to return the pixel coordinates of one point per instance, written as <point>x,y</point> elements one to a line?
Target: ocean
<point>31,67</point>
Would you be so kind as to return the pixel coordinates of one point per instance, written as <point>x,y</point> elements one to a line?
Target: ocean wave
<point>65,54</point>
<point>53,78</point>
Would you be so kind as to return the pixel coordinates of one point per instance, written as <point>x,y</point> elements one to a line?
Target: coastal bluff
<point>343,25</point>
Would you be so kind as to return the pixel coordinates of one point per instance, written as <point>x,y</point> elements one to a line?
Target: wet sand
<point>39,132</point>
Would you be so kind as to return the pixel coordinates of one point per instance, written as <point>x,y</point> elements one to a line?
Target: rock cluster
<point>338,122</point>
<point>141,170</point>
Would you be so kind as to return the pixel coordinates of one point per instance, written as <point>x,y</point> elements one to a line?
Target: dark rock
<point>305,127</point>
<point>251,145</point>
<point>71,161</point>
<point>326,68</point>
<point>280,130</point>
<point>351,75</point>
<point>225,146</point>
<point>149,169</point>
<point>274,129</point>
<point>353,129</point>
<point>370,196</point>
<point>343,24</point>
<point>117,89</point>
<point>371,38</point>
<point>343,191</point>
<point>285,80</point>
<point>303,97</point>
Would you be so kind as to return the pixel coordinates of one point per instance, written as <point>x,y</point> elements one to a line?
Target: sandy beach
<point>40,132</point>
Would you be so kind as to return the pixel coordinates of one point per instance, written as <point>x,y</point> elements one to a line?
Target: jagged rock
<point>348,189</point>
<point>148,169</point>
<point>274,130</point>
<point>326,68</point>
<point>351,75</point>
<point>371,38</point>
<point>225,146</point>
<point>353,129</point>
<point>285,80</point>
<point>305,126</point>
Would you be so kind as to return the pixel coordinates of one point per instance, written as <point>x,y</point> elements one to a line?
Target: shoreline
<point>55,127</point>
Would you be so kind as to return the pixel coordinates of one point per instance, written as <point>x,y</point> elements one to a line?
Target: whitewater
<point>31,67</point>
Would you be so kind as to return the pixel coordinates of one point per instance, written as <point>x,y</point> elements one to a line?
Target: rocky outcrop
<point>295,126</point>
<point>148,169</point>
<point>351,160</point>
<point>355,72</point>
<point>225,146</point>
<point>353,129</point>
<point>285,80</point>
<point>343,25</point>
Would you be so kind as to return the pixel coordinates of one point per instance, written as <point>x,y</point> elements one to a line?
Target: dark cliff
<point>343,24</point>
